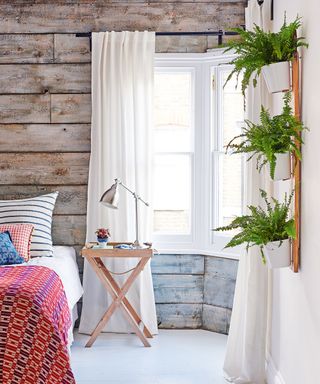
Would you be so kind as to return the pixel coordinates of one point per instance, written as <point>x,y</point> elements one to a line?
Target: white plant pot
<point>277,76</point>
<point>281,189</point>
<point>283,167</point>
<point>278,256</point>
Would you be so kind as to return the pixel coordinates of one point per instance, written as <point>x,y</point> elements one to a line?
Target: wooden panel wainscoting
<point>178,288</point>
<point>194,291</point>
<point>179,316</point>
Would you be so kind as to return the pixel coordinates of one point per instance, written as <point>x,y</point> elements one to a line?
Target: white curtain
<point>246,348</point>
<point>122,109</point>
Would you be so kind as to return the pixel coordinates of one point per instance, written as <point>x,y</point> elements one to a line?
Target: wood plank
<point>213,40</point>
<point>39,78</point>
<point>71,108</point>
<point>68,230</point>
<point>178,288</point>
<point>71,49</point>
<point>218,291</point>
<point>44,168</point>
<point>178,264</point>
<point>97,16</point>
<point>172,1</point>
<point>221,267</point>
<point>26,49</point>
<point>179,315</point>
<point>216,319</point>
<point>45,137</point>
<point>181,44</point>
<point>25,108</point>
<point>124,2</point>
<point>72,200</point>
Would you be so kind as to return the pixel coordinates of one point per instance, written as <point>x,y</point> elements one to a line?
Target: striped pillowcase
<point>36,211</point>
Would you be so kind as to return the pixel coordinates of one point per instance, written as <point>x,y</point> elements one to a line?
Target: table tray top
<point>88,251</point>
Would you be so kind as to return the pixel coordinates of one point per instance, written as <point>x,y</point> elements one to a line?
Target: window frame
<point>183,238</point>
<point>207,137</point>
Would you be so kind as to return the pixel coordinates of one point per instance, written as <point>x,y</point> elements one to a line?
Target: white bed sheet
<point>64,264</point>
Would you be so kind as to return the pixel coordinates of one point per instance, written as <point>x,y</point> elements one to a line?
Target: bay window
<point>197,186</point>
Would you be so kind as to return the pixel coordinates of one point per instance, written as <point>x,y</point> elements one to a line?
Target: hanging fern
<point>274,135</point>
<point>257,48</point>
<point>263,226</point>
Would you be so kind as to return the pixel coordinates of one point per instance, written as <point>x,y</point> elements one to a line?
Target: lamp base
<point>137,245</point>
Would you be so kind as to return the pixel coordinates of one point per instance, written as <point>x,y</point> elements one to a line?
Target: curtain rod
<point>219,33</point>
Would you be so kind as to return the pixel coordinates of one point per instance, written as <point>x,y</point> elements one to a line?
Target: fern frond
<point>257,48</point>
<point>263,225</point>
<point>273,135</point>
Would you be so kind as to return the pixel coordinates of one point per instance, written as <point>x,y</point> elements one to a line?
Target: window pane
<point>231,184</point>
<point>173,112</point>
<point>172,193</point>
<point>233,108</point>
<point>230,166</point>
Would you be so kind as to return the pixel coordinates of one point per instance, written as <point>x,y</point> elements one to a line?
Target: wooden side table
<point>94,257</point>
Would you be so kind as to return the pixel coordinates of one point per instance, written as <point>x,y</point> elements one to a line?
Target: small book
<point>106,247</point>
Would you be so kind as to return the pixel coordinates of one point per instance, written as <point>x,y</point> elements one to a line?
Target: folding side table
<point>94,257</point>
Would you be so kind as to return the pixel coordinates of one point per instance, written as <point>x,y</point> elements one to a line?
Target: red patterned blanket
<point>34,323</point>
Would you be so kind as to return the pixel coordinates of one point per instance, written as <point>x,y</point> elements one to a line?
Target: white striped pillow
<point>36,211</point>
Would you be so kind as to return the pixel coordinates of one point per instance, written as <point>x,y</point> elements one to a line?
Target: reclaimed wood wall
<point>194,291</point>
<point>45,101</point>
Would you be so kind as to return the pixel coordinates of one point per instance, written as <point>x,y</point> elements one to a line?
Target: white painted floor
<point>176,357</point>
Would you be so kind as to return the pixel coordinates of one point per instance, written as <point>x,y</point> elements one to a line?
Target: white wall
<point>295,335</point>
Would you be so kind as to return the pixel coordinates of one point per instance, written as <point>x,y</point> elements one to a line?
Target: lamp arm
<point>137,197</point>
<point>142,201</point>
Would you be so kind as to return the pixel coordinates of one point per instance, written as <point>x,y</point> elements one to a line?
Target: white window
<point>174,153</point>
<point>196,185</point>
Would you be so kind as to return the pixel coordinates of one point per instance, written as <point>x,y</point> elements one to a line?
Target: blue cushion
<point>8,253</point>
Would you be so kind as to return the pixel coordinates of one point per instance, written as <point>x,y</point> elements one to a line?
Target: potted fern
<point>270,229</point>
<point>268,52</point>
<point>272,140</point>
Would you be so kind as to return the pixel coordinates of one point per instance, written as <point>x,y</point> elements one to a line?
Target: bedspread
<point>34,323</point>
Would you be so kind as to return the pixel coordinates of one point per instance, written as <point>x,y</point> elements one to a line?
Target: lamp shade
<point>110,198</point>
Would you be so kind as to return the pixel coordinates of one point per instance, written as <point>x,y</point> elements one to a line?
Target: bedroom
<point>47,59</point>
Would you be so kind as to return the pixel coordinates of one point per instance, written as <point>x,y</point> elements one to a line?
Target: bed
<point>64,264</point>
<point>38,311</point>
